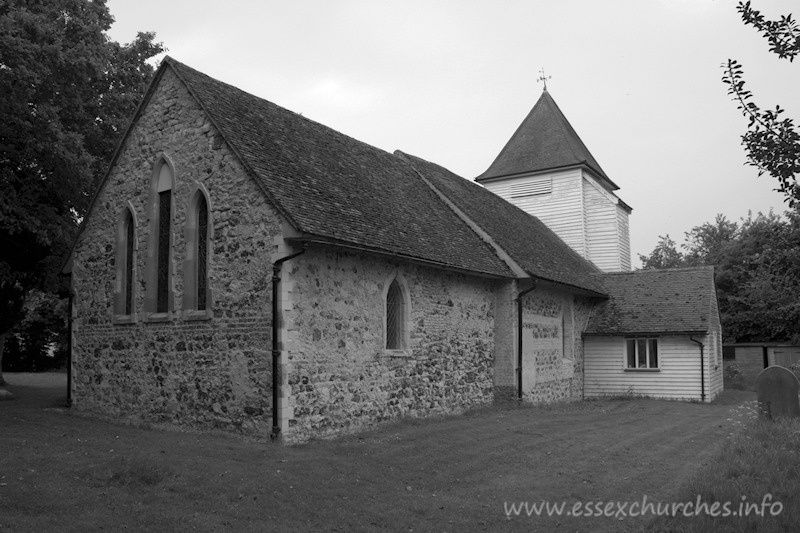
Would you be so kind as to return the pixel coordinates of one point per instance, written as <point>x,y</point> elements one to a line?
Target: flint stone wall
<point>340,378</point>
<point>553,366</point>
<point>213,373</point>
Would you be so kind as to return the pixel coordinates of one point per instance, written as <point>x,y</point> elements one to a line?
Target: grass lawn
<point>59,471</point>
<point>758,472</point>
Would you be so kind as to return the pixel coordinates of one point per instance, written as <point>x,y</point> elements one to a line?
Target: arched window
<point>202,252</point>
<point>197,293</point>
<point>128,287</point>
<point>396,317</point>
<point>159,273</point>
<point>125,261</point>
<point>164,233</point>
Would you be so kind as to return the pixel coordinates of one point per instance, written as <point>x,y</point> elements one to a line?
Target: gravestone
<point>777,389</point>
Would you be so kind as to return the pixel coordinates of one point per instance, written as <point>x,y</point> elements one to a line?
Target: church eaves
<point>544,141</point>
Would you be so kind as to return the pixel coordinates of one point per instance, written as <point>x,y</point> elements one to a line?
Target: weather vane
<point>542,78</point>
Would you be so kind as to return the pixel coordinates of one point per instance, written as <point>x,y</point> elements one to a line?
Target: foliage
<point>707,244</point>
<point>664,255</point>
<point>732,377</point>
<point>757,272</point>
<point>39,341</point>
<point>68,91</point>
<point>772,142</point>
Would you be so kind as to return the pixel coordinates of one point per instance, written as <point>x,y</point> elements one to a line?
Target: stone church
<point>244,268</point>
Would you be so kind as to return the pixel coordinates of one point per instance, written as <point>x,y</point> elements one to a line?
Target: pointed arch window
<point>396,314</point>
<point>125,263</point>
<point>197,291</point>
<point>159,301</point>
<point>202,252</point>
<point>128,285</point>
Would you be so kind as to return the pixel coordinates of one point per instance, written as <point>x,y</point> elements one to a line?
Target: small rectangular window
<point>641,353</point>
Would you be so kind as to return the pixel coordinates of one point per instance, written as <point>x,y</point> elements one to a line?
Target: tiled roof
<point>655,301</point>
<point>544,141</point>
<point>531,244</point>
<point>334,187</point>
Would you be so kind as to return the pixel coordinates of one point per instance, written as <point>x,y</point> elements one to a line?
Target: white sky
<point>450,81</point>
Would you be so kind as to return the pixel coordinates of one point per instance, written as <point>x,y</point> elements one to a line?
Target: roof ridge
<point>296,114</point>
<point>656,270</point>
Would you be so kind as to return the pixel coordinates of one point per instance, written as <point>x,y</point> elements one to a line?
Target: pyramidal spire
<point>544,141</point>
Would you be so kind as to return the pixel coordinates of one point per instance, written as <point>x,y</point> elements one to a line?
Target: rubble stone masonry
<point>553,364</point>
<point>208,373</point>
<point>340,377</point>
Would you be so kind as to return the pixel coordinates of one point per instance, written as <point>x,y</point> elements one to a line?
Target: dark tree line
<point>68,91</point>
<point>757,272</point>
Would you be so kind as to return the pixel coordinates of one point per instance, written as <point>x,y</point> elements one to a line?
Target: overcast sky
<point>450,81</point>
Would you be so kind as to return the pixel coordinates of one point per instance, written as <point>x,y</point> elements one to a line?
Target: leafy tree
<point>68,91</point>
<point>707,244</point>
<point>757,272</point>
<point>759,280</point>
<point>39,341</point>
<point>772,143</point>
<point>664,255</point>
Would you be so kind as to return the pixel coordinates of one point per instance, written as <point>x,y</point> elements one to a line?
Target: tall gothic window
<point>196,291</point>
<point>159,262</point>
<point>128,289</point>
<point>125,260</point>
<point>202,252</point>
<point>164,231</point>
<point>395,317</point>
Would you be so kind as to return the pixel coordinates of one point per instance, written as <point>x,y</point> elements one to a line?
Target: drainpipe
<point>276,352</point>
<point>519,339</point>
<point>702,370</point>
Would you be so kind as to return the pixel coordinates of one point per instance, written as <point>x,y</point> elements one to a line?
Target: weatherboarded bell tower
<point>546,170</point>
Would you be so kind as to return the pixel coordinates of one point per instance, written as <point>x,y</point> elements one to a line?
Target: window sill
<point>158,317</point>
<point>193,315</point>
<point>397,353</point>
<point>124,319</point>
<point>643,370</point>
